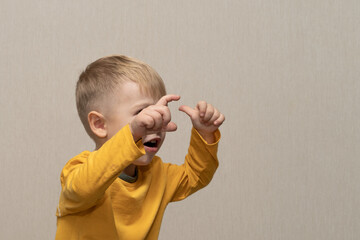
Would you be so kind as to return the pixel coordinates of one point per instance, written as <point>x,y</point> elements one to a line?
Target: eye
<point>137,112</point>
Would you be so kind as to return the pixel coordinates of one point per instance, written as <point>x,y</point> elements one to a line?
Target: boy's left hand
<point>205,118</point>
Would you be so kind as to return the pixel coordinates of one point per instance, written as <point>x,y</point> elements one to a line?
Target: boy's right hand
<point>154,118</point>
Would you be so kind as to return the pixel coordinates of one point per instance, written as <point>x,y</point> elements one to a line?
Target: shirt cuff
<point>217,136</point>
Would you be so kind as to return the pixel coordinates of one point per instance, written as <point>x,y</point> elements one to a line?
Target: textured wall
<point>285,74</point>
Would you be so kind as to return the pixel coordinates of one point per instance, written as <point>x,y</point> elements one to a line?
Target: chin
<point>144,160</point>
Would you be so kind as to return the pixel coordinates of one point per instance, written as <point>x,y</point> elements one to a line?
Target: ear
<point>97,124</point>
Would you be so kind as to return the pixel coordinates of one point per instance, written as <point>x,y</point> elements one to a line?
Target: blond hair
<point>102,77</point>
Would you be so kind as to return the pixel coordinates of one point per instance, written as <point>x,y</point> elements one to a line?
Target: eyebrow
<point>142,105</point>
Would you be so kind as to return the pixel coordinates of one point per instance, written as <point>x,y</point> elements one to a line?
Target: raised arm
<point>201,161</point>
<point>86,177</point>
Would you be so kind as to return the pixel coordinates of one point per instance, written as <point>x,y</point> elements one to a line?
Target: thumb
<point>171,127</point>
<point>167,98</point>
<point>188,110</point>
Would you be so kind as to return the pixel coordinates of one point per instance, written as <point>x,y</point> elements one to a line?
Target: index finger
<point>167,98</point>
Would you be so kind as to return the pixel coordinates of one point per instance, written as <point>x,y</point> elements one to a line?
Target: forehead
<point>131,93</point>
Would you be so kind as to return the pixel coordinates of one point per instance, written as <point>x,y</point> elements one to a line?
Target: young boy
<point>121,190</point>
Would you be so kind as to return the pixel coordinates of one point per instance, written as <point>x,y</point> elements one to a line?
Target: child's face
<point>126,104</point>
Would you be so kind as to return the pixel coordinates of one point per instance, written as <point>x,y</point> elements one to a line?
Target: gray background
<point>285,74</point>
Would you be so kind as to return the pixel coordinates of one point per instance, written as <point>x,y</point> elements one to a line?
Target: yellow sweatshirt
<point>96,204</point>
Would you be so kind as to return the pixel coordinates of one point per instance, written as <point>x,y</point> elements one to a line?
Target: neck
<point>99,143</point>
<point>130,170</point>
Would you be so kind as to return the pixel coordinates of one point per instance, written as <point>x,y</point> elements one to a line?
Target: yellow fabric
<point>96,204</point>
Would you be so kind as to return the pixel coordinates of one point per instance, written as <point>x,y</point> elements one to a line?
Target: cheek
<point>163,135</point>
<point>131,118</point>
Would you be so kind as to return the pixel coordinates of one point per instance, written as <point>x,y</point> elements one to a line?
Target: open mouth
<point>152,145</point>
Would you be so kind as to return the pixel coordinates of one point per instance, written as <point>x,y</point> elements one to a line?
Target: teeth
<point>153,141</point>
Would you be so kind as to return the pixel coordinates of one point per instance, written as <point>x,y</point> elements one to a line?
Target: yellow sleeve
<point>85,178</point>
<point>198,169</point>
